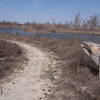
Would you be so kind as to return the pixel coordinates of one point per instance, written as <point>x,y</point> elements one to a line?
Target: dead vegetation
<point>10,57</point>
<point>78,79</point>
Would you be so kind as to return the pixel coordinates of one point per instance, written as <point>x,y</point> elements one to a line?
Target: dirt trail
<point>28,85</point>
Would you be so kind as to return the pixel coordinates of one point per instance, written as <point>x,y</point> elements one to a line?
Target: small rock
<point>40,98</point>
<point>43,89</point>
<point>49,90</point>
<point>13,82</point>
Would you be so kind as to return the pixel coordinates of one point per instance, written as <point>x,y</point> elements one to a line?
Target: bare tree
<point>85,24</point>
<point>77,21</point>
<point>93,21</point>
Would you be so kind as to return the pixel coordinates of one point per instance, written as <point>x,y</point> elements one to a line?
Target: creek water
<point>84,37</point>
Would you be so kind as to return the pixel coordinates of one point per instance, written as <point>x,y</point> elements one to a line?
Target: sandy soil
<point>27,85</point>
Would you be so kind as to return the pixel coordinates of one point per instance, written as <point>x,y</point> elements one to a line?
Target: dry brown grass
<point>10,57</point>
<point>78,79</point>
<point>8,49</point>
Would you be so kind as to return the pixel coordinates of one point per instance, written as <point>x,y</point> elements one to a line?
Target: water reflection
<point>94,38</point>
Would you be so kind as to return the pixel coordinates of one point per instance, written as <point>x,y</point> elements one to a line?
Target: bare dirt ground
<point>78,79</point>
<point>27,85</point>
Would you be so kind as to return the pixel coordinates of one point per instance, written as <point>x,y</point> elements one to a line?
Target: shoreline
<point>67,31</point>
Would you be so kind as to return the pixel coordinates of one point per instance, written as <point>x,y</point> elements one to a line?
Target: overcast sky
<point>46,10</point>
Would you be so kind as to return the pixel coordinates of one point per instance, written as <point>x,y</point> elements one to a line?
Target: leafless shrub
<point>10,56</point>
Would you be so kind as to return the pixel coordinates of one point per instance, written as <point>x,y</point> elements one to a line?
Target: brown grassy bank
<point>90,32</point>
<point>78,79</point>
<point>11,56</point>
<point>58,30</point>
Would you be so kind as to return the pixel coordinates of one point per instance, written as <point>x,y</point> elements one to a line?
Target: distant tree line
<point>91,23</point>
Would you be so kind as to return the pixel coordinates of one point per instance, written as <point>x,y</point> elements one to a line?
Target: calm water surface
<point>94,38</point>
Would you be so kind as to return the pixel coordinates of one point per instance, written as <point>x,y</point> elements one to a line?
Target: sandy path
<point>28,85</point>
